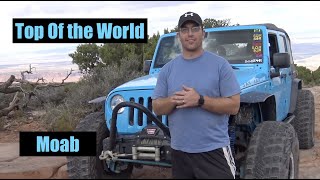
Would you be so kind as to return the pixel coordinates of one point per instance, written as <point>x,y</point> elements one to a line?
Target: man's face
<point>191,36</point>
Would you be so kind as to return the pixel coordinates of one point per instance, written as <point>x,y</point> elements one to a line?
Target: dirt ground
<point>9,138</point>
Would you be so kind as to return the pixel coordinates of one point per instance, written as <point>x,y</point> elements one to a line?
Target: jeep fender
<point>266,102</point>
<point>296,85</point>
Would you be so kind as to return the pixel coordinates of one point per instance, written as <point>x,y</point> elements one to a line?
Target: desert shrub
<point>51,95</point>
<point>60,117</point>
<point>96,84</point>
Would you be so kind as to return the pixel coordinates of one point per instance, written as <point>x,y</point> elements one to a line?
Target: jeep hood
<point>144,82</point>
<point>246,78</point>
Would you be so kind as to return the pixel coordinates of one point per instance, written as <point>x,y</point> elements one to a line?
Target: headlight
<point>115,101</point>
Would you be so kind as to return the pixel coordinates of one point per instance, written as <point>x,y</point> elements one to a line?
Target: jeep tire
<point>91,167</point>
<point>304,122</point>
<point>273,152</point>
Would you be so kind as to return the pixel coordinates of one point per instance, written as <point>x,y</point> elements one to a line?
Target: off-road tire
<point>304,122</point>
<point>273,151</point>
<point>91,167</point>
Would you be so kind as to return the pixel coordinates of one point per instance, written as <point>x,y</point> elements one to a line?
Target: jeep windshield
<point>237,46</point>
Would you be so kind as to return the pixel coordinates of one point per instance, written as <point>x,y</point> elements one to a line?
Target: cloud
<point>57,54</point>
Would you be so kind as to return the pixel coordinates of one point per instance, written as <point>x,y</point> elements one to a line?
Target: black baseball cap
<point>189,16</point>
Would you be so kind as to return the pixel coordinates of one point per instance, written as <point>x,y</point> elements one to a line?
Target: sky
<point>299,19</point>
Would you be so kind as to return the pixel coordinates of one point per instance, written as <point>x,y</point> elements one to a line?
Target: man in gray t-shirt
<point>198,91</point>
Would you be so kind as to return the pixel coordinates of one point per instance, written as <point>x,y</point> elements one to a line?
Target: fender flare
<point>254,97</point>
<point>266,102</point>
<point>296,85</point>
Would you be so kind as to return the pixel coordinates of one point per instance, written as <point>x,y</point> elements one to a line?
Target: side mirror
<point>281,60</point>
<point>146,66</point>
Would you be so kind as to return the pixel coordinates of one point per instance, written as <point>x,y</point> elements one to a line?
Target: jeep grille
<point>137,117</point>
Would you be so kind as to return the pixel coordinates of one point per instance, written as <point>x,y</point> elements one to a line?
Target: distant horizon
<point>299,51</point>
<point>268,12</point>
<point>67,65</point>
<point>48,71</point>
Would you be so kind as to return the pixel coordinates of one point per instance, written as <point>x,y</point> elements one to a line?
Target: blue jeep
<point>275,120</point>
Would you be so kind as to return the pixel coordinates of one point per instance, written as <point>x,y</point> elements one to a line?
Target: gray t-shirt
<point>195,129</point>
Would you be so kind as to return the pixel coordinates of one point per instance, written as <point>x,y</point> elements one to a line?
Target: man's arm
<point>225,105</point>
<point>222,105</point>
<point>164,106</point>
<point>229,102</point>
<point>162,103</point>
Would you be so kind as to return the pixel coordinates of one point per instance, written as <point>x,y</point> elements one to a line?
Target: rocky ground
<point>310,159</point>
<point>14,166</point>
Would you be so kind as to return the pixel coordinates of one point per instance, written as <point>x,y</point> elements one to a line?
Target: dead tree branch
<point>5,87</point>
<point>68,74</point>
<point>14,85</point>
<point>27,71</point>
<point>12,105</point>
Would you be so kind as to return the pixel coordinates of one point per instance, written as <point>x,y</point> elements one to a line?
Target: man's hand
<point>188,97</point>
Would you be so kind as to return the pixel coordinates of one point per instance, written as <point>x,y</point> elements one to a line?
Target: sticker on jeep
<point>257,37</point>
<point>253,61</point>
<point>256,49</point>
<point>253,81</point>
<point>257,43</point>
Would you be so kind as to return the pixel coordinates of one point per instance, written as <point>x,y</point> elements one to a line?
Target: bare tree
<point>14,85</point>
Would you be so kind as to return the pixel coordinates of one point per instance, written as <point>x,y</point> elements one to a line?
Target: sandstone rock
<point>9,151</point>
<point>31,167</point>
<point>62,173</point>
<point>310,172</point>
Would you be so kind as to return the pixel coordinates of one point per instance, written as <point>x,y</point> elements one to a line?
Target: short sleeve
<point>161,89</point>
<point>229,84</point>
